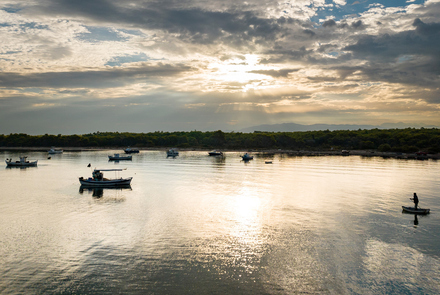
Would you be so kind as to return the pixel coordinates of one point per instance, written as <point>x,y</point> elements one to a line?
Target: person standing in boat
<point>415,200</point>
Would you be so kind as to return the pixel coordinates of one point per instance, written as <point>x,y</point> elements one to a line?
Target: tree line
<point>407,140</point>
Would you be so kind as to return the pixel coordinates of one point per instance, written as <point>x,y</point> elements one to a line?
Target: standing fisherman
<point>415,200</point>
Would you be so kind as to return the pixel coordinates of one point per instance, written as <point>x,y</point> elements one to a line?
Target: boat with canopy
<point>21,163</point>
<point>98,179</point>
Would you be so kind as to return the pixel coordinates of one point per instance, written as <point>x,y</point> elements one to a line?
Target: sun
<point>239,70</point>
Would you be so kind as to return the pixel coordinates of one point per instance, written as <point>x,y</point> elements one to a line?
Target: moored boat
<point>54,150</point>
<point>117,157</point>
<point>414,210</point>
<point>131,150</point>
<point>20,163</point>
<point>247,157</point>
<point>215,153</point>
<point>172,153</point>
<point>98,180</point>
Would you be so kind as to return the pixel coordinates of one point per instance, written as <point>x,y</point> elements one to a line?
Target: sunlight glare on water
<point>196,224</point>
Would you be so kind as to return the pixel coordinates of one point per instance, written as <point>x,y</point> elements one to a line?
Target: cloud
<point>115,77</point>
<point>275,73</point>
<point>192,24</point>
<point>424,40</point>
<point>329,23</point>
<point>195,63</point>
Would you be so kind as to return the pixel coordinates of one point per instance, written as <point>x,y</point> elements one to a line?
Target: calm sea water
<point>203,225</point>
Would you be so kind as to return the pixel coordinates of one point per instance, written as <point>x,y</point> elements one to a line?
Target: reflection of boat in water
<point>21,163</point>
<point>172,153</point>
<point>247,157</point>
<point>415,211</point>
<point>98,180</point>
<point>117,157</point>
<point>54,150</point>
<point>215,153</point>
<point>131,151</point>
<point>98,192</point>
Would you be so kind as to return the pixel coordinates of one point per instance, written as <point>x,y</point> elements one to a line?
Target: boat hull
<point>172,153</point>
<point>414,210</point>
<point>130,151</point>
<point>112,158</point>
<point>53,152</point>
<point>21,164</point>
<point>105,183</point>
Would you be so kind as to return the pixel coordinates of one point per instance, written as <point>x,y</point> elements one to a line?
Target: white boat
<point>247,157</point>
<point>215,153</point>
<point>117,157</point>
<point>21,163</point>
<point>55,151</point>
<point>172,153</point>
<point>98,180</point>
<point>131,151</point>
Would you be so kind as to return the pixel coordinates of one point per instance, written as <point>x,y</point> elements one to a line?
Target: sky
<point>82,66</point>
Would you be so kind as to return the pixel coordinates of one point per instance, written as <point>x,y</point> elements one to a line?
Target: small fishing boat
<point>268,162</point>
<point>172,153</point>
<point>131,151</point>
<point>98,180</point>
<point>247,157</point>
<point>215,153</point>
<point>117,157</point>
<point>414,210</point>
<point>54,150</point>
<point>21,163</point>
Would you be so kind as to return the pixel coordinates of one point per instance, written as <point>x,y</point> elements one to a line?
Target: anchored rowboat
<point>414,210</point>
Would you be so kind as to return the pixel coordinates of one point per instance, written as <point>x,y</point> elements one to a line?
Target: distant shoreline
<point>262,152</point>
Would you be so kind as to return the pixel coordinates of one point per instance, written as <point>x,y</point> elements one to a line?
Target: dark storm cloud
<point>192,24</point>
<point>91,79</point>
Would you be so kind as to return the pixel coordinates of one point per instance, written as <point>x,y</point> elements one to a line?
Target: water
<point>203,225</point>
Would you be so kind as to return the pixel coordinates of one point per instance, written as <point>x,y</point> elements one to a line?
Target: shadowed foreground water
<point>196,224</point>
